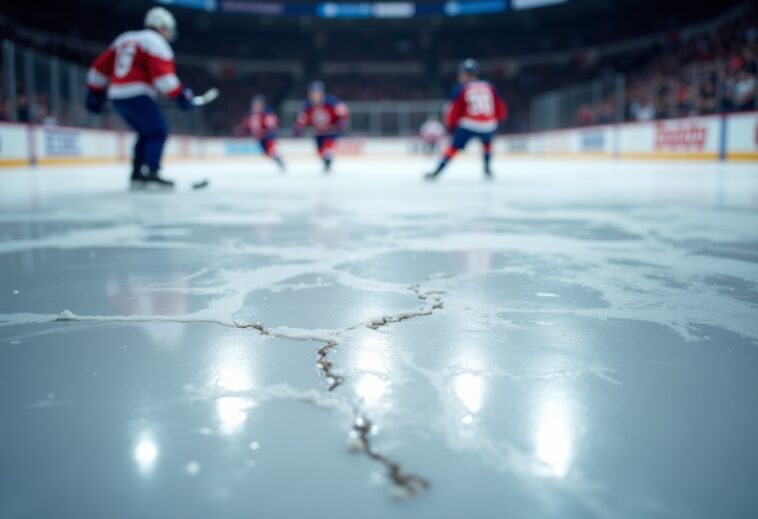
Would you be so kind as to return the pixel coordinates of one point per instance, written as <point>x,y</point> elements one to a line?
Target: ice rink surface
<point>576,339</point>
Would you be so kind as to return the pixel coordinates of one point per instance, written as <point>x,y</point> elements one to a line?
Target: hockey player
<point>475,110</point>
<point>262,123</point>
<point>130,73</point>
<point>328,116</point>
<point>431,133</point>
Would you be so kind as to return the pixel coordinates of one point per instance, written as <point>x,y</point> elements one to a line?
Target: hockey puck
<point>200,185</point>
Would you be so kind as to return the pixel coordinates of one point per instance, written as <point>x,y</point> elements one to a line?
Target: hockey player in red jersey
<point>261,123</point>
<point>131,72</point>
<point>328,116</point>
<point>475,110</point>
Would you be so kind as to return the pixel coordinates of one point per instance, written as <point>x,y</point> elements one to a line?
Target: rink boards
<point>729,137</point>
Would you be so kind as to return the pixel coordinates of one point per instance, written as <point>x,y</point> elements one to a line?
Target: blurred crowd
<point>707,73</point>
<point>710,70</point>
<point>42,113</point>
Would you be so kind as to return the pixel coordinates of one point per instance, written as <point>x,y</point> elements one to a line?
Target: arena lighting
<point>366,10</point>
<point>265,8</point>
<point>464,8</point>
<point>530,4</point>
<point>203,5</point>
<point>394,10</point>
<point>361,10</point>
<point>344,10</point>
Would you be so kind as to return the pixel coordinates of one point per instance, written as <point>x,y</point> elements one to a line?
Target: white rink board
<point>184,147</point>
<point>14,143</point>
<point>595,140</point>
<point>519,144</point>
<point>698,138</point>
<point>63,143</point>
<point>742,136</point>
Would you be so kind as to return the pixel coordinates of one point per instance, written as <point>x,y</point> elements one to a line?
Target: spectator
<point>643,110</point>
<point>744,91</point>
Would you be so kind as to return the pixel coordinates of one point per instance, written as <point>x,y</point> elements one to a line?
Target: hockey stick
<point>203,100</point>
<point>206,98</point>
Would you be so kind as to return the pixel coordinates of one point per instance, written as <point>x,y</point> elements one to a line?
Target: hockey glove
<point>94,101</point>
<point>184,99</point>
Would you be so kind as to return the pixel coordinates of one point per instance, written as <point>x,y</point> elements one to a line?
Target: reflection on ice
<point>232,372</point>
<point>371,388</point>
<point>234,377</point>
<point>553,439</point>
<point>192,468</point>
<point>469,389</point>
<point>373,361</point>
<point>231,412</point>
<point>232,368</point>
<point>146,453</point>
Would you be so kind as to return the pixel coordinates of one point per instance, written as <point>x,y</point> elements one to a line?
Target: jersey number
<point>479,102</point>
<point>124,59</point>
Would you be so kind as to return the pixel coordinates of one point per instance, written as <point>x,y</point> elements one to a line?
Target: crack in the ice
<point>323,363</point>
<point>257,327</point>
<point>327,367</point>
<point>437,304</point>
<point>410,484</point>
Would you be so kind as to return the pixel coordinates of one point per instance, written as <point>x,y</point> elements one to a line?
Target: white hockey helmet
<point>159,18</point>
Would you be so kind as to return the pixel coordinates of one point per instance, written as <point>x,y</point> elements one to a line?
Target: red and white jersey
<point>476,106</point>
<point>330,117</point>
<point>260,124</point>
<point>137,63</point>
<point>432,130</point>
